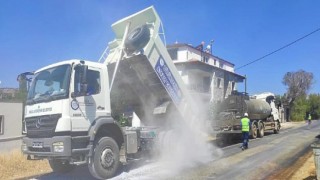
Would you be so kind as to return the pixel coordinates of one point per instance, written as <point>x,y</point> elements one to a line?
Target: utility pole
<point>245,84</point>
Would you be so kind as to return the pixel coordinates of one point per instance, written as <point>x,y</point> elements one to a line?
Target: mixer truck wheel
<point>254,130</point>
<point>60,166</point>
<point>260,130</point>
<point>137,39</point>
<point>105,159</point>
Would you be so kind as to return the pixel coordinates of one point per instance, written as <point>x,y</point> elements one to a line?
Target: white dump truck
<point>262,111</point>
<point>68,112</point>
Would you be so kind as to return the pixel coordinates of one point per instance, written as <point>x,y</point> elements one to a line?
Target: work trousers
<point>245,139</point>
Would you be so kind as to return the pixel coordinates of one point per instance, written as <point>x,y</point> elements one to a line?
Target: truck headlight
<point>58,147</point>
<point>24,147</point>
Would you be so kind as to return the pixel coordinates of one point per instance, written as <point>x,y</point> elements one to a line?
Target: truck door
<point>85,108</point>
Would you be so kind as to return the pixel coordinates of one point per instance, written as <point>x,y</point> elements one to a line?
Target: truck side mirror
<point>83,74</point>
<point>81,70</point>
<point>83,79</point>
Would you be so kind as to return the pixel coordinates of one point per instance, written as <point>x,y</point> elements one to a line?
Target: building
<point>10,125</point>
<point>208,77</point>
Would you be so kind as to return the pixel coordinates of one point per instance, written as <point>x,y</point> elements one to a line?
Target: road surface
<point>266,156</point>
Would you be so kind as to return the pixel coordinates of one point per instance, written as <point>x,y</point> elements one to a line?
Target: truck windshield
<point>50,84</point>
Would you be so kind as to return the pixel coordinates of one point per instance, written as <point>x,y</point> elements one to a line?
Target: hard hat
<point>246,114</point>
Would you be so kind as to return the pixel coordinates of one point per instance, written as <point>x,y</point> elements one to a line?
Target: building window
<point>215,62</point>
<point>205,59</point>
<point>219,83</point>
<point>1,124</point>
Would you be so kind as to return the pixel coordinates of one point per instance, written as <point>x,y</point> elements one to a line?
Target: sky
<point>37,33</point>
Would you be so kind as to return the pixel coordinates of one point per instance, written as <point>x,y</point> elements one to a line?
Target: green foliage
<point>123,121</point>
<point>299,109</point>
<point>19,96</point>
<point>314,105</point>
<point>305,105</point>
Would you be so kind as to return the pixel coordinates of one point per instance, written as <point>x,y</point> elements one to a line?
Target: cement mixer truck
<point>262,111</point>
<point>68,113</point>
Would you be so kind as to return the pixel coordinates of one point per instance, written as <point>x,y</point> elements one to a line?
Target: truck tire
<point>104,162</point>
<point>137,39</point>
<point>254,131</point>
<point>260,130</point>
<point>276,127</point>
<point>61,166</point>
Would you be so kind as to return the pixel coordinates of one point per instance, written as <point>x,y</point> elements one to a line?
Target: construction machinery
<point>261,108</point>
<point>69,108</point>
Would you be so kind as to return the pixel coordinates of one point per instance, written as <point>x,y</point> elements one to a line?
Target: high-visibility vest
<point>245,122</point>
<point>309,117</point>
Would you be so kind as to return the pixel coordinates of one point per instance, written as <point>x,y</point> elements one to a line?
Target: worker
<point>309,120</point>
<point>245,127</point>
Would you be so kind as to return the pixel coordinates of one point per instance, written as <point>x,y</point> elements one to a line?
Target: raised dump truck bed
<point>145,74</point>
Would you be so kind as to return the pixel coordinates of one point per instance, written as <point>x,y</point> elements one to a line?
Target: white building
<point>10,126</point>
<point>207,76</point>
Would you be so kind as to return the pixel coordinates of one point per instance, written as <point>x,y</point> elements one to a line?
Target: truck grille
<point>44,149</point>
<point>42,126</point>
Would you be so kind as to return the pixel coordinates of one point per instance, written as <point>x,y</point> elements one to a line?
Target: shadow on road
<point>224,140</point>
<point>82,172</point>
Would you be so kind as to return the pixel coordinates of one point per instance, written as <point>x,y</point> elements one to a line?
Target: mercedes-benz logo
<point>38,123</point>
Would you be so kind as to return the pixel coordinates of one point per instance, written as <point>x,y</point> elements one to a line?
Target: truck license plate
<point>37,144</point>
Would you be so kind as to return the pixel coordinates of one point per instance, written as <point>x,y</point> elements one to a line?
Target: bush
<point>305,105</point>
<point>299,109</point>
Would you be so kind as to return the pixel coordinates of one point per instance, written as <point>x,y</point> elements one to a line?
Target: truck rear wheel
<point>260,130</point>
<point>61,166</point>
<point>105,159</point>
<point>254,130</point>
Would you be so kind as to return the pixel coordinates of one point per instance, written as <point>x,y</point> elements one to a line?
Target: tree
<point>314,105</point>
<point>299,83</point>
<point>299,109</point>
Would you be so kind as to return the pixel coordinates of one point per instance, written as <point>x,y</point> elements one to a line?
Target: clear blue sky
<point>37,33</point>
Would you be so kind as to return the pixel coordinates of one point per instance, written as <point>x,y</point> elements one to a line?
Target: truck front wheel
<point>105,159</point>
<point>60,166</point>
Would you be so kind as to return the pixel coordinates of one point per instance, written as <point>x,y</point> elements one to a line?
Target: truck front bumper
<point>58,146</point>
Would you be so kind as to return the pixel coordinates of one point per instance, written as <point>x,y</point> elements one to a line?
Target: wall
<point>12,125</point>
<point>218,91</point>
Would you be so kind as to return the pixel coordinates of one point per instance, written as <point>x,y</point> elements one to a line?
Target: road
<point>265,157</point>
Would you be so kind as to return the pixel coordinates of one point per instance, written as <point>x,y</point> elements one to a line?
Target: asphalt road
<point>264,157</point>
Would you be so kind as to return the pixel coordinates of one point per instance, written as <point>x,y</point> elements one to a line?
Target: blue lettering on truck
<point>168,81</point>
